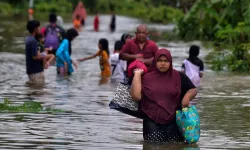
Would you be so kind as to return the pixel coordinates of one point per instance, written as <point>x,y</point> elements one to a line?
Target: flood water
<point>223,101</point>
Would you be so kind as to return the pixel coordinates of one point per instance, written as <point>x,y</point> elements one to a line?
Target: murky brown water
<point>223,100</point>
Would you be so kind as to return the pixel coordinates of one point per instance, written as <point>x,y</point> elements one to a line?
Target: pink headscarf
<point>161,91</point>
<point>80,10</point>
<point>134,65</point>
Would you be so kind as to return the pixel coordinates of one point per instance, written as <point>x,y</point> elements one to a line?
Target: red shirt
<point>132,47</point>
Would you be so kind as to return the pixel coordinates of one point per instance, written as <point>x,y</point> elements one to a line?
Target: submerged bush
<point>26,107</point>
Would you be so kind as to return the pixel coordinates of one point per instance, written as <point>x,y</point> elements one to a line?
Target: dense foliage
<point>226,22</point>
<point>153,11</point>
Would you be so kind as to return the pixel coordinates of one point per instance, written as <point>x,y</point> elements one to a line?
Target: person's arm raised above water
<point>136,87</point>
<point>124,54</point>
<point>90,57</point>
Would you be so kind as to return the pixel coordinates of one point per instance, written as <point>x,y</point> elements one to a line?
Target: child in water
<point>193,67</point>
<point>77,23</point>
<point>118,66</point>
<point>103,54</point>
<point>44,52</point>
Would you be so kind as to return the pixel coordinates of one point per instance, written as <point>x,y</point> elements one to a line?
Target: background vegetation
<point>226,23</point>
<point>160,11</point>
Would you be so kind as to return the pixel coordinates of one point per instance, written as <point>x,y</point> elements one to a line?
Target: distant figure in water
<point>59,21</point>
<point>103,54</point>
<point>112,25</point>
<point>80,10</point>
<point>193,67</point>
<point>118,66</point>
<point>77,23</point>
<point>96,22</point>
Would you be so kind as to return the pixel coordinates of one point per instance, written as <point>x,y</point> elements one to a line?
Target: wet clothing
<point>96,23</point>
<point>79,10</point>
<point>154,132</point>
<point>118,67</point>
<point>104,63</point>
<point>157,132</point>
<point>33,66</point>
<point>77,24</point>
<point>162,93</point>
<point>36,78</point>
<point>40,47</point>
<point>132,47</point>
<point>60,34</point>
<point>192,68</point>
<point>62,55</point>
<point>112,25</point>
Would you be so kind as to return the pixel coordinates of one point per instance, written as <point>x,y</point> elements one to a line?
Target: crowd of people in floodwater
<point>155,84</point>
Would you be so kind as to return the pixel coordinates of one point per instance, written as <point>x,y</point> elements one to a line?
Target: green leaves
<point>26,107</point>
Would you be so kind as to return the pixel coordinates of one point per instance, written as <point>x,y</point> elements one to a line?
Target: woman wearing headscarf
<point>63,53</point>
<point>161,91</point>
<point>80,10</point>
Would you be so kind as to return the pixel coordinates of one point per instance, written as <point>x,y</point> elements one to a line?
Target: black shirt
<point>186,84</point>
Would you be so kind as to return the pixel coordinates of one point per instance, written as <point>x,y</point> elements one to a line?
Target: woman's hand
<point>75,64</point>
<point>138,71</point>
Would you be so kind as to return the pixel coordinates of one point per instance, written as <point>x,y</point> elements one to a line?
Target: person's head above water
<point>52,18</point>
<point>33,26</point>
<point>194,51</point>
<point>71,34</point>
<point>118,45</point>
<point>103,44</point>
<point>125,37</point>
<point>141,33</point>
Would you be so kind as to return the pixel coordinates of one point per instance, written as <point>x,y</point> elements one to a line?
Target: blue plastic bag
<point>188,122</point>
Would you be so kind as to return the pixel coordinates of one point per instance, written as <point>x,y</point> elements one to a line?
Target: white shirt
<point>192,71</point>
<point>117,67</point>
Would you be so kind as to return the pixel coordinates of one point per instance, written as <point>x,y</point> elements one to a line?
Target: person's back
<point>118,67</point>
<point>53,34</point>
<point>193,66</point>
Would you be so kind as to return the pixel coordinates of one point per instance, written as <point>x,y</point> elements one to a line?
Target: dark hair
<point>78,16</point>
<point>52,18</point>
<point>118,45</point>
<point>70,34</point>
<point>194,51</point>
<point>38,36</point>
<point>32,25</point>
<point>104,45</point>
<point>124,37</point>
